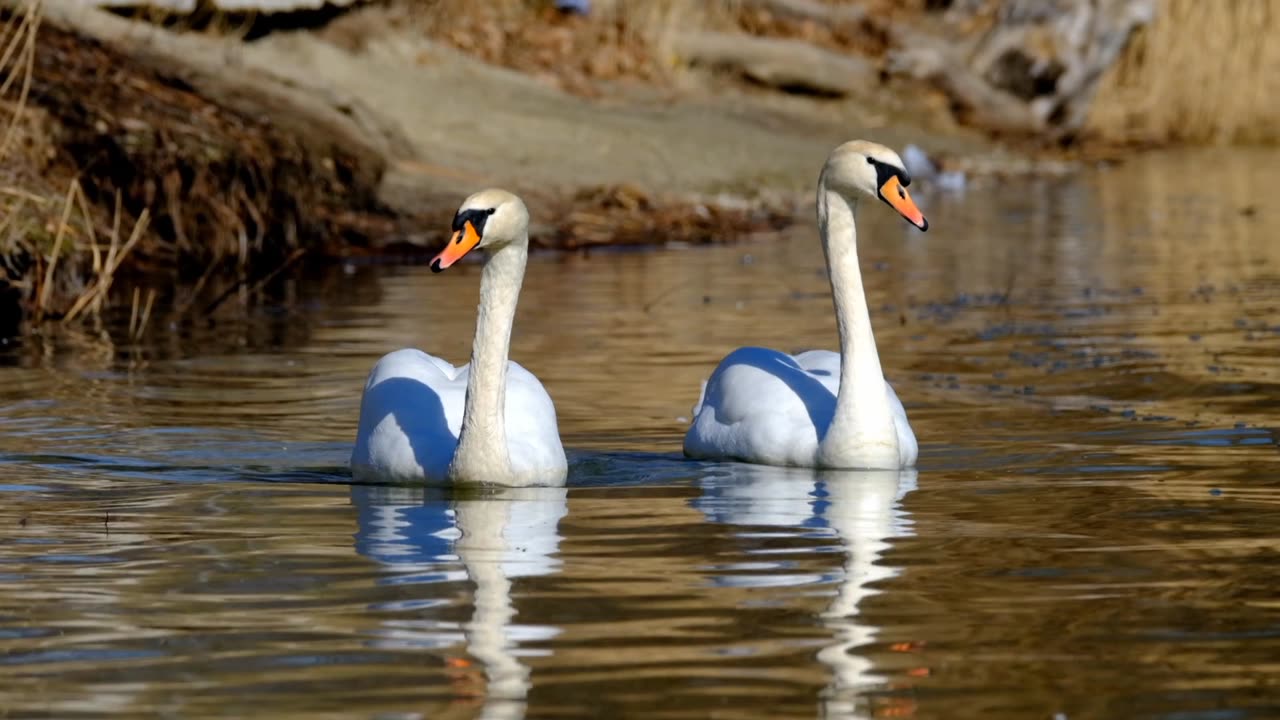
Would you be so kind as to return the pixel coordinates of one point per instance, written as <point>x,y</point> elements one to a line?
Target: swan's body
<point>489,421</point>
<point>818,409</point>
<point>767,407</point>
<point>412,415</point>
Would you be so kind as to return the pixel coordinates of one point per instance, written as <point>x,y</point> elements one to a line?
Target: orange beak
<point>896,195</point>
<point>462,242</point>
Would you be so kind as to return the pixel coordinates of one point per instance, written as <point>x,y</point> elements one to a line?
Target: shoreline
<point>184,157</point>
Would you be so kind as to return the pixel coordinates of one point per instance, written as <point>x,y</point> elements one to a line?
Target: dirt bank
<point>235,158</point>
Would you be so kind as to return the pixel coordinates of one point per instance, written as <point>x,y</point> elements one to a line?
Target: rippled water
<point>1090,365</point>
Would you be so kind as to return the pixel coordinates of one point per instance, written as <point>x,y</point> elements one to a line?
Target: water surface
<point>1088,362</point>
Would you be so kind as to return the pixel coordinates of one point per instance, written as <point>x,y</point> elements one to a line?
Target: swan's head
<point>865,167</point>
<point>490,218</point>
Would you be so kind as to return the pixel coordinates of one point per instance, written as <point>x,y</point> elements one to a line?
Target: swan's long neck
<point>862,416</point>
<point>482,443</point>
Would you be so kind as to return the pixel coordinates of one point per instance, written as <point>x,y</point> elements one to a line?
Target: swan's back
<point>410,416</point>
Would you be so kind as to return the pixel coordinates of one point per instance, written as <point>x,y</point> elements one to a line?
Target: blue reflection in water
<point>430,535</point>
<point>862,509</point>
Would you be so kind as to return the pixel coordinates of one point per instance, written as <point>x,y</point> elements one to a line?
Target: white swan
<point>490,421</point>
<point>818,409</point>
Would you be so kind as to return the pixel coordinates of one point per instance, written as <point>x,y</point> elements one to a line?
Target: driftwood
<point>972,97</point>
<point>189,6</point>
<point>1036,69</point>
<point>785,64</point>
<point>810,10</point>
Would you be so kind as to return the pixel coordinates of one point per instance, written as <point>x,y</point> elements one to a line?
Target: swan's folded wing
<point>533,434</point>
<point>822,364</point>
<point>760,406</point>
<point>702,396</point>
<point>410,415</point>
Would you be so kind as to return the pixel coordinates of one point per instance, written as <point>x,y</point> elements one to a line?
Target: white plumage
<point>489,421</point>
<point>818,409</point>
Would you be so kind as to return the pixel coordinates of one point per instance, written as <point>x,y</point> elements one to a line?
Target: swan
<point>489,421</point>
<point>818,409</point>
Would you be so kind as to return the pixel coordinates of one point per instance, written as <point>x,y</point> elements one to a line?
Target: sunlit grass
<point>1205,72</point>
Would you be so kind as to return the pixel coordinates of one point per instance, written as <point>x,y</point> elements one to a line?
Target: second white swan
<point>490,421</point>
<point>818,408</point>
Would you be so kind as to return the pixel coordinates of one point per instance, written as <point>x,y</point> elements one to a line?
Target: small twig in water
<point>133,313</point>
<point>293,257</point>
<point>146,313</point>
<point>195,289</point>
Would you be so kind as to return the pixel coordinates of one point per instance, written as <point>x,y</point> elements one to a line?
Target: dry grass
<point>49,246</point>
<point>121,173</point>
<point>1203,72</point>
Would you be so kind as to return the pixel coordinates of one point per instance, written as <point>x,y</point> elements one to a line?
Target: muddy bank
<point>235,159</point>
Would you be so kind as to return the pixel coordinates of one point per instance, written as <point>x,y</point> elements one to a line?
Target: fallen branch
<point>973,99</point>
<point>811,10</point>
<point>786,64</point>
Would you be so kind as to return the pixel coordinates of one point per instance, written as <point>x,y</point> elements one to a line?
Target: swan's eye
<point>870,161</point>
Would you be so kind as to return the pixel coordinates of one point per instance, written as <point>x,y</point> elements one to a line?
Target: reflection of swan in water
<point>497,535</point>
<point>862,507</point>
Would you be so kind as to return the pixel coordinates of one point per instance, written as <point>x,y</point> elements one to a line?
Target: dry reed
<point>13,65</point>
<point>49,275</point>
<point>1202,72</point>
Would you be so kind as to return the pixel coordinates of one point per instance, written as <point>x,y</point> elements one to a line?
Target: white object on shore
<point>920,165</point>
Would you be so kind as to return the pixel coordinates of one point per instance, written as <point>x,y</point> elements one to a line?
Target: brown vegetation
<point>111,158</point>
<point>1203,72</point>
<point>629,41</point>
<point>53,260</point>
<point>616,42</point>
<point>123,164</point>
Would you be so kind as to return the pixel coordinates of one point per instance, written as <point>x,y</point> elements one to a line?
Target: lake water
<point>1090,364</point>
